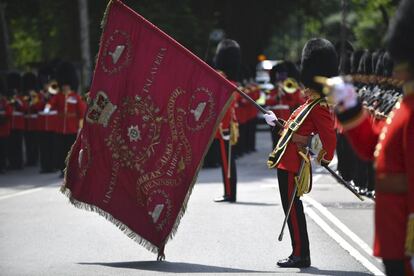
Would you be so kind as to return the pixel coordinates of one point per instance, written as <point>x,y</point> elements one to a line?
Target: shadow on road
<point>316,271</point>
<point>175,267</point>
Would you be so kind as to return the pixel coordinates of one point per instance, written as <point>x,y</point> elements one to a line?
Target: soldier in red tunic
<point>70,111</point>
<point>6,111</point>
<point>391,149</point>
<point>47,122</point>
<point>15,142</point>
<point>227,60</point>
<point>35,104</point>
<point>290,156</point>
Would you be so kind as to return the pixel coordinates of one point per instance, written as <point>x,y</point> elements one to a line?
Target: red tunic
<point>230,115</point>
<point>36,105</point>
<point>392,149</point>
<point>319,121</point>
<point>71,109</point>
<point>47,121</point>
<point>19,109</point>
<point>6,111</point>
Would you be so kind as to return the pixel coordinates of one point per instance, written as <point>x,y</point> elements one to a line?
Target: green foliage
<point>372,23</point>
<point>26,44</point>
<point>41,30</point>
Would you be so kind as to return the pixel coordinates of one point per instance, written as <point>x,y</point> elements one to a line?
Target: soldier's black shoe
<point>295,261</point>
<point>224,199</point>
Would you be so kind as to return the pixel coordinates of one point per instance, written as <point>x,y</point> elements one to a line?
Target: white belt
<point>33,116</point>
<point>53,112</point>
<point>17,113</point>
<point>280,107</point>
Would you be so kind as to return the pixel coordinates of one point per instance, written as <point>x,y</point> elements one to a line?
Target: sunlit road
<point>42,234</point>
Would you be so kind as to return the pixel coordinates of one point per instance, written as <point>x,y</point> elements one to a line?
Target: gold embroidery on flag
<point>116,54</point>
<point>201,109</point>
<point>133,153</point>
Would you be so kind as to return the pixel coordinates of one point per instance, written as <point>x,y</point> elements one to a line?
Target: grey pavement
<point>42,234</point>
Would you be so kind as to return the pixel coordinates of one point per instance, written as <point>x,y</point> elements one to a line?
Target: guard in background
<point>6,111</point>
<point>47,122</point>
<point>391,149</point>
<point>35,104</point>
<point>287,94</point>
<point>291,156</point>
<point>227,60</point>
<point>18,125</point>
<point>346,157</point>
<point>70,111</point>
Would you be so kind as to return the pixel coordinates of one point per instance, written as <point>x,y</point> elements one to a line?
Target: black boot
<point>295,261</point>
<point>224,199</point>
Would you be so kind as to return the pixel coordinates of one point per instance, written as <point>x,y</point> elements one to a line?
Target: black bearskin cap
<point>66,75</point>
<point>14,83</point>
<point>376,56</point>
<point>319,58</point>
<point>3,86</point>
<point>228,58</point>
<point>388,64</point>
<point>345,64</point>
<point>29,82</point>
<point>287,67</point>
<point>44,75</point>
<point>379,65</point>
<point>399,37</point>
<point>355,59</point>
<point>365,64</point>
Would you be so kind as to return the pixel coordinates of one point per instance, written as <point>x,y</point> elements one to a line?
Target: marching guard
<point>227,60</point>
<point>70,111</point>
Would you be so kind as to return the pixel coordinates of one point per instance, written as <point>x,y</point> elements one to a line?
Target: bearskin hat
<point>44,75</point>
<point>400,32</point>
<point>3,86</point>
<point>66,75</point>
<point>379,65</point>
<point>355,59</point>
<point>376,56</point>
<point>228,58</point>
<point>388,64</point>
<point>365,64</point>
<point>285,67</point>
<point>345,64</point>
<point>319,58</point>
<point>29,82</point>
<point>14,83</point>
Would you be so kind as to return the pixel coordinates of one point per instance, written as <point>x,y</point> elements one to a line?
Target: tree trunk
<point>84,43</point>
<point>5,57</point>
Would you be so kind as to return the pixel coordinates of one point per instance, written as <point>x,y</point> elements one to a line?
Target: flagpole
<point>261,109</point>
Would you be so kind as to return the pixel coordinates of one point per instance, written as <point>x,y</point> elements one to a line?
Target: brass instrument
<point>290,85</point>
<point>53,87</point>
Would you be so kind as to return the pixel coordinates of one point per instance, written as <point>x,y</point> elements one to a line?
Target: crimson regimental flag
<point>153,109</point>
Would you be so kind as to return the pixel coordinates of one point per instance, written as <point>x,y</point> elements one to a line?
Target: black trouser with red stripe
<point>296,221</point>
<point>229,180</point>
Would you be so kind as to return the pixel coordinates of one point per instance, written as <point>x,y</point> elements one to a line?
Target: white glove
<point>270,118</point>
<point>343,93</point>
